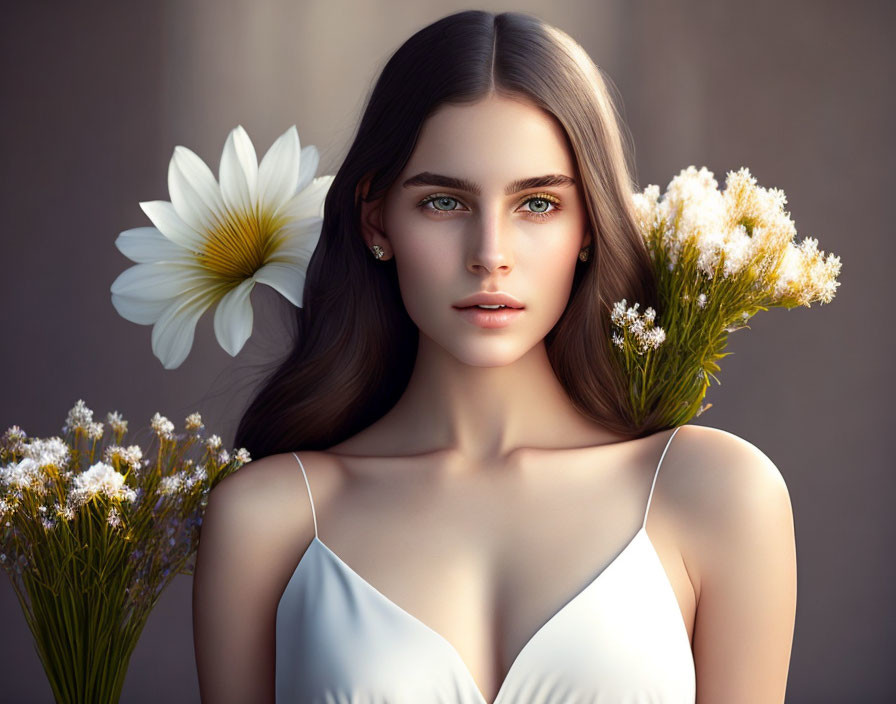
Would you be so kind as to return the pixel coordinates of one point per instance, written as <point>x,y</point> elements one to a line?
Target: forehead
<point>493,141</point>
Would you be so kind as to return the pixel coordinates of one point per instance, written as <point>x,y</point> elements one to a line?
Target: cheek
<point>550,272</point>
<point>427,276</point>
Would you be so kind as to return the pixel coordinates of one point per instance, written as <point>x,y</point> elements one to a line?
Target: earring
<point>583,254</point>
<point>377,251</point>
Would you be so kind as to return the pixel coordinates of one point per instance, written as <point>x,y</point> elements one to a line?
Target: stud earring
<point>377,251</point>
<point>583,254</point>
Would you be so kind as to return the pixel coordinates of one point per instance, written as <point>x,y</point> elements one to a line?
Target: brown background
<point>96,95</point>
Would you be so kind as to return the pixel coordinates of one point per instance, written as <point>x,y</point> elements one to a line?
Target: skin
<point>483,478</point>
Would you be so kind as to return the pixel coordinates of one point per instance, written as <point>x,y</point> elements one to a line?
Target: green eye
<point>440,203</point>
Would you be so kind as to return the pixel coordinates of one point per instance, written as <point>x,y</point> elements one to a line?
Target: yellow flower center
<point>241,244</point>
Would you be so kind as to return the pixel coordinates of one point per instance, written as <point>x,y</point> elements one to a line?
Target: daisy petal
<point>169,223</point>
<point>155,281</point>
<point>194,192</point>
<point>147,244</point>
<point>297,238</point>
<point>233,318</point>
<point>309,202</point>
<point>238,172</point>
<point>288,280</point>
<point>139,310</point>
<point>308,163</point>
<point>172,335</point>
<point>278,172</point>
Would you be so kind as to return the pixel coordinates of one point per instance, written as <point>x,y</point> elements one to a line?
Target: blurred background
<point>96,95</point>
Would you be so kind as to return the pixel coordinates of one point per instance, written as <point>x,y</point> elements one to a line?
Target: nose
<point>490,243</point>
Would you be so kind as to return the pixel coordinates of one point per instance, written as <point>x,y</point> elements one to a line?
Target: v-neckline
<point>641,531</point>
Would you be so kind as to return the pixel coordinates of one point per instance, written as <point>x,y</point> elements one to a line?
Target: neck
<point>487,412</point>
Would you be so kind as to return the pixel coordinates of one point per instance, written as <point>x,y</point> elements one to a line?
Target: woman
<point>451,502</point>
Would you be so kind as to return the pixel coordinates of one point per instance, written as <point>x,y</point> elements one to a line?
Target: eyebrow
<point>425,178</point>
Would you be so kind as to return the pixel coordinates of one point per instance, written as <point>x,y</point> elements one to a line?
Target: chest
<point>492,568</point>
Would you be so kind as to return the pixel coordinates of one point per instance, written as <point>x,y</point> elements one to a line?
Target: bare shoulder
<point>269,496</point>
<point>738,539</point>
<point>257,524</point>
<point>727,480</point>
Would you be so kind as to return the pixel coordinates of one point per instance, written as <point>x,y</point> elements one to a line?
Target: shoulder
<point>737,542</point>
<point>266,500</point>
<point>726,478</point>
<point>733,503</point>
<point>255,527</point>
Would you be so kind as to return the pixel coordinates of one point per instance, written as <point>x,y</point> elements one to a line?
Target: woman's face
<point>460,220</point>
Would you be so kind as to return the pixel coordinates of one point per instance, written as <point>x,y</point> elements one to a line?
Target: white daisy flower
<point>214,241</point>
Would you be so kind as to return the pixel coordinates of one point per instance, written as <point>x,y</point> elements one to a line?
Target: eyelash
<point>538,196</point>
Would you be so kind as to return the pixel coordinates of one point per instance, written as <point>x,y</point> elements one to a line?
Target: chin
<point>488,353</point>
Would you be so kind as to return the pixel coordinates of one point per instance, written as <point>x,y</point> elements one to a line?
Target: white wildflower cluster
<point>213,443</point>
<point>101,479</point>
<point>116,422</point>
<point>693,213</point>
<point>48,452</point>
<point>178,483</point>
<point>807,275</point>
<point>13,439</point>
<point>194,422</point>
<point>163,427</point>
<point>242,455</point>
<point>95,431</point>
<point>27,473</point>
<point>131,455</point>
<point>6,507</point>
<point>66,513</point>
<point>639,326</point>
<point>743,229</point>
<point>80,417</point>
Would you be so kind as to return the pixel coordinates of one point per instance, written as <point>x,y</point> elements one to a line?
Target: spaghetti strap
<point>304,474</point>
<point>655,474</point>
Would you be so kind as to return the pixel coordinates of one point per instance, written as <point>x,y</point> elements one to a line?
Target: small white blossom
<point>114,518</point>
<point>131,456</point>
<point>79,418</point>
<point>243,455</point>
<point>194,421</point>
<point>213,442</point>
<point>66,512</point>
<point>95,431</point>
<point>116,422</point>
<point>200,473</point>
<point>102,479</point>
<point>224,457</point>
<point>164,428</point>
<point>14,439</point>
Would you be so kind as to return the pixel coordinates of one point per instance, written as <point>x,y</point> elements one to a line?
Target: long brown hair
<point>355,344</point>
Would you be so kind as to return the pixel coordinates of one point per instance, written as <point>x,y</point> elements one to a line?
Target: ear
<point>372,230</point>
<point>587,238</point>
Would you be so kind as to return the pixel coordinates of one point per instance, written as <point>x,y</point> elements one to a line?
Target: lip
<point>490,318</point>
<point>489,299</point>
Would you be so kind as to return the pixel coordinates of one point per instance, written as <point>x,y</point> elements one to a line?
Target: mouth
<point>489,317</point>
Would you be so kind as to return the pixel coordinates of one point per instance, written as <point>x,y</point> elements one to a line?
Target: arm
<point>239,576</point>
<point>747,564</point>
